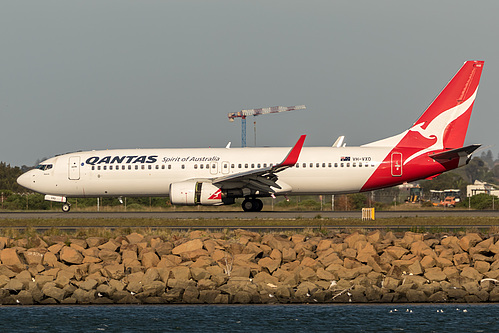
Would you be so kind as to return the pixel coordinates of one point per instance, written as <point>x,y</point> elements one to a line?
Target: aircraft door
<point>74,168</point>
<point>225,167</point>
<point>213,168</point>
<point>396,164</point>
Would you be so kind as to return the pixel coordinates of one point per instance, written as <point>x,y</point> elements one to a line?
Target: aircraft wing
<point>455,153</point>
<point>262,179</point>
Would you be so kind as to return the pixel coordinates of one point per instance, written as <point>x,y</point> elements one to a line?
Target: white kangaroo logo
<point>437,126</point>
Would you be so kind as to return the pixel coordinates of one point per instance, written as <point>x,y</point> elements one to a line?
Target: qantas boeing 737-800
<point>217,176</point>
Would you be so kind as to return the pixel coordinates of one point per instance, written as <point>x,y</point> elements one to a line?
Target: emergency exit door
<point>74,168</point>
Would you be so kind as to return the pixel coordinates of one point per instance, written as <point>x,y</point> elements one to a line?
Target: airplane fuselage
<point>150,172</point>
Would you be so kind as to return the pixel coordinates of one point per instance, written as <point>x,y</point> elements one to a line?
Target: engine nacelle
<point>193,192</point>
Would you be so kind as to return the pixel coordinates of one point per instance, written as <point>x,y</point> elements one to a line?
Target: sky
<point>83,75</point>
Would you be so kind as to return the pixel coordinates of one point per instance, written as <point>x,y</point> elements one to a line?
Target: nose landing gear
<point>252,205</point>
<point>66,207</point>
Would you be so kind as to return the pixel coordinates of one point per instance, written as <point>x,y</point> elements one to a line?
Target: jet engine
<point>194,192</point>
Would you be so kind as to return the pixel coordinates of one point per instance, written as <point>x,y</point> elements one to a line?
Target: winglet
<point>294,153</point>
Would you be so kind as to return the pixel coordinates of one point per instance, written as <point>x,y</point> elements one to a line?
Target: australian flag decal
<point>345,159</point>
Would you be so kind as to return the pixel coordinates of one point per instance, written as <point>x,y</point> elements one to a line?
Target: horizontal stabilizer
<point>455,153</point>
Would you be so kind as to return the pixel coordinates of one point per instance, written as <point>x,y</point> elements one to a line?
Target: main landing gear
<point>252,205</point>
<point>66,207</point>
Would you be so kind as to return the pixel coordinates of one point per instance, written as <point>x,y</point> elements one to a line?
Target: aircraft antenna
<point>257,112</point>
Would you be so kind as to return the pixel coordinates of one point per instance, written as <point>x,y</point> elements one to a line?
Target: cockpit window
<point>44,167</point>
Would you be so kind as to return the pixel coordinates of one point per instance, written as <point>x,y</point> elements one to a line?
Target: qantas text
<point>122,159</point>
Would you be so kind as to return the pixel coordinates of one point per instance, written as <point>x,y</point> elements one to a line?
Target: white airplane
<point>217,176</point>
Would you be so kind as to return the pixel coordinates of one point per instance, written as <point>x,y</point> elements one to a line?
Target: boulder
<point>396,251</point>
<point>115,272</point>
<point>150,259</point>
<point>181,273</point>
<point>34,256</point>
<point>270,264</point>
<point>471,273</point>
<point>56,293</point>
<point>95,241</point>
<point>435,274</point>
<point>110,245</point>
<point>10,257</point>
<point>109,255</point>
<point>366,253</point>
<point>189,246</point>
<point>470,240</point>
<point>70,255</point>
<point>134,238</point>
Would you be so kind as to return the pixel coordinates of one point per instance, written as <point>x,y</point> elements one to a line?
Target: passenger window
<point>323,165</point>
<point>304,165</point>
<point>264,165</point>
<point>297,165</point>
<point>329,165</point>
<point>252,165</point>
<point>93,167</point>
<point>354,165</point>
<point>348,165</point>
<point>201,166</point>
<point>335,165</point>
<point>239,166</point>
<point>317,165</point>
<point>232,166</point>
<point>342,165</point>
<point>157,167</point>
<point>149,167</point>
<point>136,167</point>
<point>311,165</point>
<point>183,166</point>
<point>129,167</point>
<point>169,166</point>
<point>258,166</point>
<point>110,167</point>
<point>360,165</point>
<point>98,167</point>
<point>225,166</point>
<point>246,165</point>
<point>163,167</point>
<point>195,166</point>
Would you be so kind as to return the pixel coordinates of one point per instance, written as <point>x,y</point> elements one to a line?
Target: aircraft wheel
<point>248,205</point>
<point>252,205</point>
<point>258,205</point>
<point>66,207</point>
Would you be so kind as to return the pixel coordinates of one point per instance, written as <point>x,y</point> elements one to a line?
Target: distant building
<point>481,187</point>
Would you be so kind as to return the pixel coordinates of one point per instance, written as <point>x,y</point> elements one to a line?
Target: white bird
<point>465,310</point>
<point>270,295</point>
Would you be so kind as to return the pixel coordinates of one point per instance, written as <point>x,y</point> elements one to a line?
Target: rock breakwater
<point>248,267</point>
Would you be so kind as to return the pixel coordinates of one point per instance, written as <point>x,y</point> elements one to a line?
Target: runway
<point>280,215</point>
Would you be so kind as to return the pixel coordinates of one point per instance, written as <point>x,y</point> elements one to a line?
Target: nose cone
<point>25,180</point>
